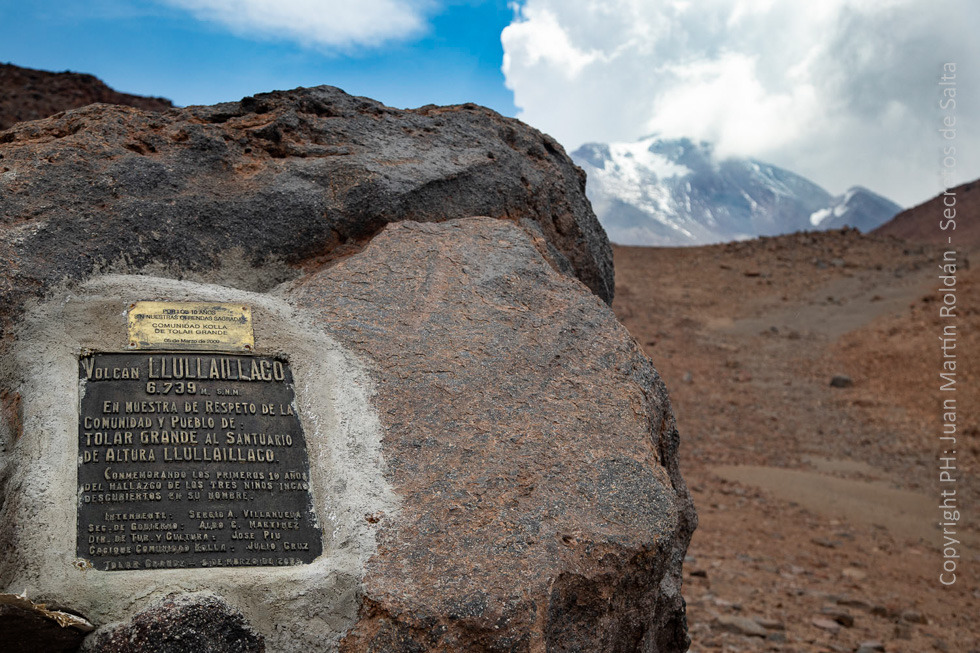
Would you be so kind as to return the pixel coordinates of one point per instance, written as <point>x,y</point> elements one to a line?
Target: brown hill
<point>921,223</point>
<point>817,503</point>
<point>28,94</point>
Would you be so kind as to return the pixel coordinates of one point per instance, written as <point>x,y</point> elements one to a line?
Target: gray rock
<point>740,625</point>
<point>770,624</point>
<point>914,617</point>
<point>871,647</point>
<point>841,616</point>
<point>826,624</point>
<point>286,179</point>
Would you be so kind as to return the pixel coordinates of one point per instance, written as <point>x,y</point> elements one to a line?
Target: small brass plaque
<point>197,326</point>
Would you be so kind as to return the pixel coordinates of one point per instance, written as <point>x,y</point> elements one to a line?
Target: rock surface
<point>493,459</point>
<point>531,441</point>
<point>287,179</point>
<point>28,94</point>
<point>26,627</point>
<point>182,623</point>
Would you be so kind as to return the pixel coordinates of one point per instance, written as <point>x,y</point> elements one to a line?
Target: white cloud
<point>315,23</point>
<point>545,42</point>
<point>842,91</point>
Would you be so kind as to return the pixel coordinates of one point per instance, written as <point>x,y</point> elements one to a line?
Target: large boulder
<point>531,443</point>
<point>289,178</point>
<point>493,461</point>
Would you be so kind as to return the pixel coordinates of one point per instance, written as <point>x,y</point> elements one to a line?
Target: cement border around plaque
<point>343,434</point>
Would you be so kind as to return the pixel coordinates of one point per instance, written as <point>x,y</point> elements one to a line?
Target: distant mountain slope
<point>28,94</point>
<point>677,192</point>
<point>922,223</point>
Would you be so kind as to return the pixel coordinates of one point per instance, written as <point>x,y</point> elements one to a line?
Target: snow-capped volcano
<point>677,192</point>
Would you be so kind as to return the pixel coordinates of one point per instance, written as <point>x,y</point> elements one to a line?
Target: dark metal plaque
<point>191,461</point>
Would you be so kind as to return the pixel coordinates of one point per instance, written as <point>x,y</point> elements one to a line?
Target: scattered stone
<point>854,603</point>
<point>841,381</point>
<point>687,378</point>
<point>770,624</point>
<point>843,617</point>
<point>914,617</point>
<point>939,644</point>
<point>903,631</point>
<point>870,647</point>
<point>826,624</point>
<point>854,574</point>
<point>698,573</point>
<point>884,611</point>
<point>740,625</point>
<point>825,542</point>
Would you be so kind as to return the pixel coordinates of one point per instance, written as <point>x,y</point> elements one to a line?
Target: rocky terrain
<point>28,94</point>
<point>818,504</point>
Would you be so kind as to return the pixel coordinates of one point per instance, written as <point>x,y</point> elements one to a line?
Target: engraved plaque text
<point>191,460</point>
<point>207,326</point>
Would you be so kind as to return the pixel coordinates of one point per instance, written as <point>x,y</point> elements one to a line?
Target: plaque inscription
<point>191,461</point>
<point>198,326</point>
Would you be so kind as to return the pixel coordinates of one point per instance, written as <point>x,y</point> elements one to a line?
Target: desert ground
<point>819,504</point>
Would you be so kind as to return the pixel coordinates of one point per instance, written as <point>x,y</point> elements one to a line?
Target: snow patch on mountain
<point>819,216</point>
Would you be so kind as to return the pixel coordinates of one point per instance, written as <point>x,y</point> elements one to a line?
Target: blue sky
<point>844,92</point>
<point>152,48</point>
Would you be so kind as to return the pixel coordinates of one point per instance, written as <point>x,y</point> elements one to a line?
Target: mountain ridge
<point>669,192</point>
<point>923,222</point>
<point>31,94</point>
